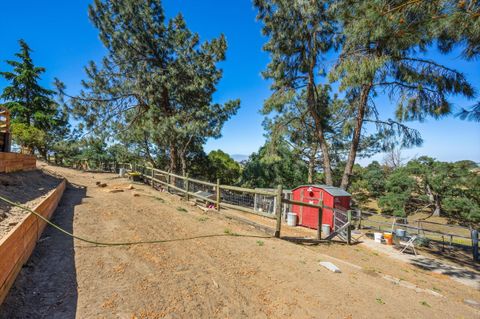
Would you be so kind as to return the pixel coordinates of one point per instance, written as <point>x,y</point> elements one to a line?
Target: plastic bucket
<point>326,230</point>
<point>400,232</point>
<point>121,172</point>
<point>377,237</point>
<point>388,238</point>
<point>292,219</point>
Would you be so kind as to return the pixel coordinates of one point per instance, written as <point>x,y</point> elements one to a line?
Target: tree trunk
<point>435,200</point>
<point>183,162</point>
<point>311,164</point>
<point>327,167</point>
<point>357,132</point>
<point>173,158</point>
<point>438,207</point>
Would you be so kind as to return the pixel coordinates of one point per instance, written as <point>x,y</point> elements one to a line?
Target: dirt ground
<point>27,188</point>
<point>208,277</point>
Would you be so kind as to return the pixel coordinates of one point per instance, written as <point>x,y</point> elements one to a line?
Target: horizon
<point>63,41</point>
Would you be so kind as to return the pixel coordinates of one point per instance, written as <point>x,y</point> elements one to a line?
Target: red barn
<point>331,196</point>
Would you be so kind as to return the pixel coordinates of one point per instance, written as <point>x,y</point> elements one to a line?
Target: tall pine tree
<point>300,33</point>
<point>382,51</point>
<point>157,80</point>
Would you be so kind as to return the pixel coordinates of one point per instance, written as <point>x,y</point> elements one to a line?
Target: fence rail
<point>431,234</point>
<point>234,197</point>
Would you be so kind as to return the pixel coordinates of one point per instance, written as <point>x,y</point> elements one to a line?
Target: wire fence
<point>445,233</point>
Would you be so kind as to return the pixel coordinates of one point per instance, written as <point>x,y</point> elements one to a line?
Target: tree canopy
<point>379,48</point>
<point>38,121</point>
<point>156,80</point>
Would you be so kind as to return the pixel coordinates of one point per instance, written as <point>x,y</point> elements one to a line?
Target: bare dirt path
<point>216,277</point>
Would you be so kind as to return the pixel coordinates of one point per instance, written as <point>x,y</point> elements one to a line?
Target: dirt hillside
<point>208,277</point>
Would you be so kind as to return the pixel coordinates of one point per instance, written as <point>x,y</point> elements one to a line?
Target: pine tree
<point>381,51</point>
<point>157,79</point>
<point>300,33</point>
<point>37,121</point>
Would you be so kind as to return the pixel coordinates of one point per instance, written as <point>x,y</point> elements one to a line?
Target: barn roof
<point>332,190</point>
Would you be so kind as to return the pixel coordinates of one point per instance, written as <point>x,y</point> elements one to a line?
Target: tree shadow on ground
<point>46,287</point>
<point>430,264</point>
<point>458,254</point>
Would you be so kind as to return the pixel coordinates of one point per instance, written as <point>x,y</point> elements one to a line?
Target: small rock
<point>472,303</point>
<point>136,195</point>
<point>97,182</point>
<point>115,191</point>
<point>12,223</point>
<point>130,187</point>
<point>330,266</point>
<point>102,185</point>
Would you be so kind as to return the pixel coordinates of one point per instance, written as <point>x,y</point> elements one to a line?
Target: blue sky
<point>64,40</point>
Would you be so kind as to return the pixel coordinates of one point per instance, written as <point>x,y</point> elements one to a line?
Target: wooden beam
<point>278,211</point>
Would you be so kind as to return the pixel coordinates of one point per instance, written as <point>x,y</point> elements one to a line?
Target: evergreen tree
<point>300,33</point>
<point>157,79</point>
<point>263,170</point>
<point>223,167</point>
<point>37,120</point>
<point>381,51</point>
<point>450,190</point>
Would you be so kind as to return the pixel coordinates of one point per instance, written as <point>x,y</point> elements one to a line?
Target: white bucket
<point>121,172</point>
<point>326,230</point>
<point>378,237</point>
<point>292,219</point>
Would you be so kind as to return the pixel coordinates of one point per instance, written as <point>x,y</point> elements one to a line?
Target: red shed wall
<point>308,216</point>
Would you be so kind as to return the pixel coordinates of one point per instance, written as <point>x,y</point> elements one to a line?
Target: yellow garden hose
<point>99,243</point>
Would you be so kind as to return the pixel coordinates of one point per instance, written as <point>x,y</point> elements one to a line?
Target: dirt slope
<point>216,277</point>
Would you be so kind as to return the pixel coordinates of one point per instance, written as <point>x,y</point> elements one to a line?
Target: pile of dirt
<point>26,188</point>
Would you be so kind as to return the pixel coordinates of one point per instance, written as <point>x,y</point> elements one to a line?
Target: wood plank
<point>17,246</point>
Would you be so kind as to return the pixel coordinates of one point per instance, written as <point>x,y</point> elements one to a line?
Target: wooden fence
<point>226,196</point>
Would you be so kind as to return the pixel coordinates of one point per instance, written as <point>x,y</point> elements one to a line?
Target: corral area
<point>204,270</point>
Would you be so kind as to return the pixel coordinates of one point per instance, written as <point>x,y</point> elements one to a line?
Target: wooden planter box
<point>13,162</point>
<point>17,246</point>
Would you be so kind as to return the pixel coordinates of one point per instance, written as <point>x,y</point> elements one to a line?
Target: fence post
<point>218,194</point>
<point>349,229</point>
<point>187,188</point>
<point>320,218</point>
<point>474,234</point>
<point>278,210</point>
<point>168,182</point>
<point>359,216</point>
<point>153,176</point>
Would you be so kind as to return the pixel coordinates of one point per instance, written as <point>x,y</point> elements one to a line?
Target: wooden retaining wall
<point>12,162</point>
<point>17,246</point>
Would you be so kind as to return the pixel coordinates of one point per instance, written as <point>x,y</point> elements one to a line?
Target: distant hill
<point>239,157</point>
